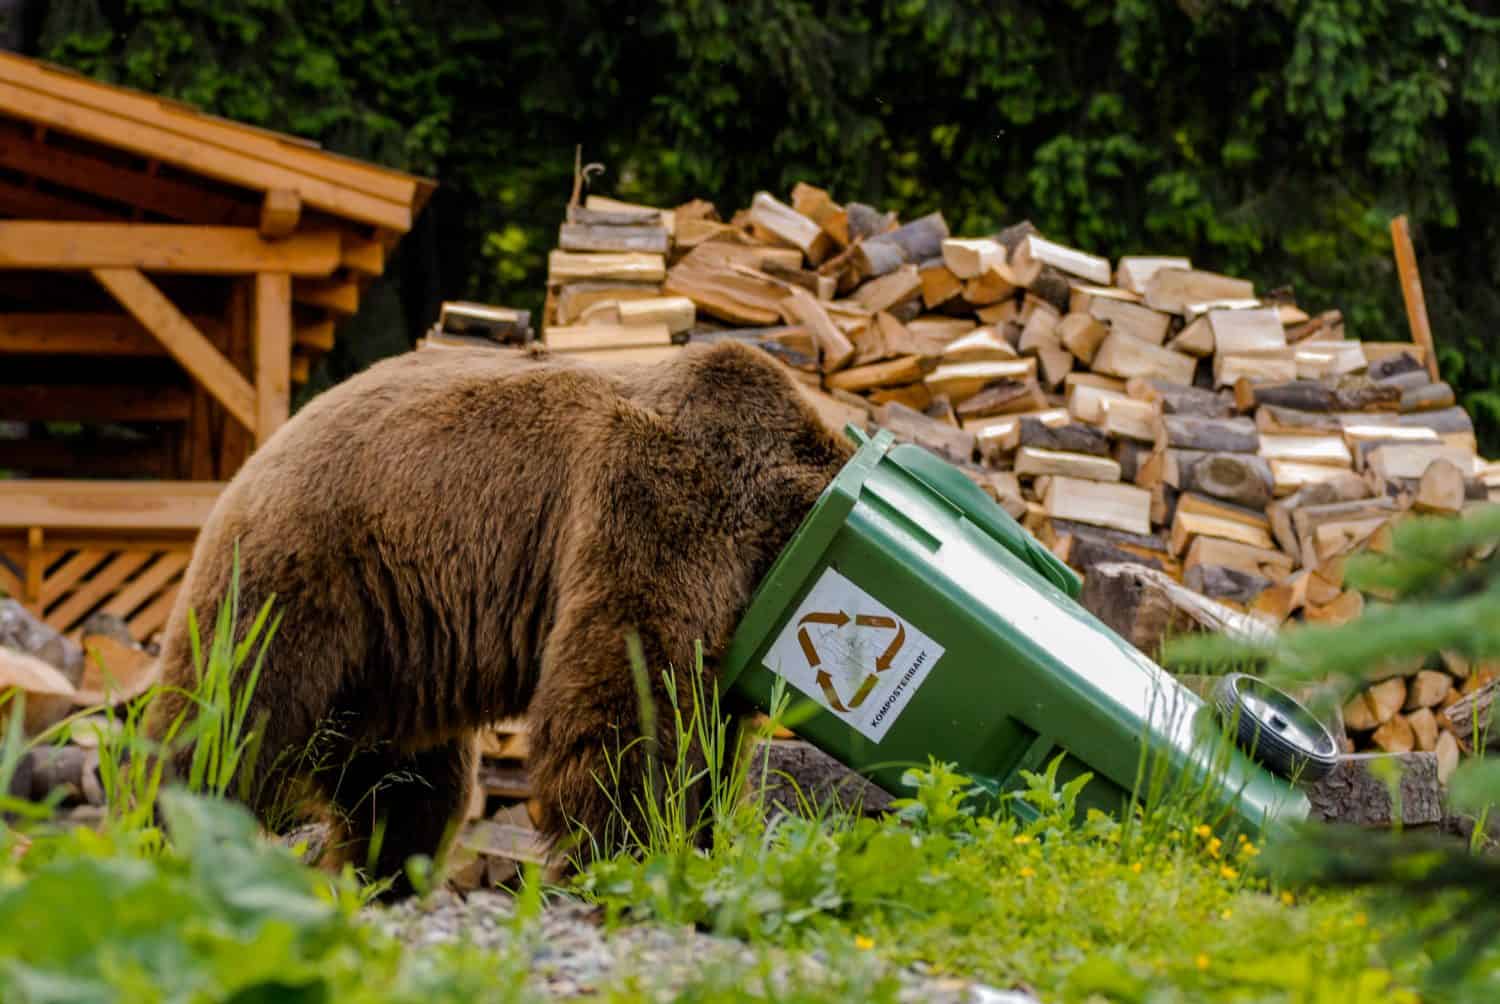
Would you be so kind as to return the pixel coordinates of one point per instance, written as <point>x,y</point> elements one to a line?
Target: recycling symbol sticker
<point>853,655</point>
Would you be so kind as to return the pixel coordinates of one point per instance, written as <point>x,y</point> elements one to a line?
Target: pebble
<point>570,954</point>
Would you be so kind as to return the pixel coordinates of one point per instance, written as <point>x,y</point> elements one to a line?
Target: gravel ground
<point>570,955</point>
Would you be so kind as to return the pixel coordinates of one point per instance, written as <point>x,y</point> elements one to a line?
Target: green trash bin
<point>922,621</point>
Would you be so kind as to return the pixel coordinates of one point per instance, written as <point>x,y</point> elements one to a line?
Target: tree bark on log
<point>1353,793</point>
<point>1242,478</point>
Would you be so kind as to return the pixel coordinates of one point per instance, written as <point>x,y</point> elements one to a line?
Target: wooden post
<point>35,567</point>
<point>1411,293</point>
<point>273,352</point>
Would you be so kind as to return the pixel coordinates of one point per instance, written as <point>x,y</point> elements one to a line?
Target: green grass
<point>1157,907</point>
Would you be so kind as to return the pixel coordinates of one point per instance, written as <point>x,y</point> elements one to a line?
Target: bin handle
<point>983,511</point>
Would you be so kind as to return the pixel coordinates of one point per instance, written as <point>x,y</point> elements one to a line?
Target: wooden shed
<point>166,277</point>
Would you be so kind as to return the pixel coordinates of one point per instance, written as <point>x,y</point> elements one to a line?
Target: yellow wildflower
<point>1228,872</point>
<point>1135,867</point>
<point>1248,850</point>
<point>1023,839</point>
<point>1027,872</point>
<point>1226,915</point>
<point>1360,919</point>
<point>1202,961</point>
<point>1288,898</point>
<point>1203,830</point>
<point>863,943</point>
<point>1213,847</point>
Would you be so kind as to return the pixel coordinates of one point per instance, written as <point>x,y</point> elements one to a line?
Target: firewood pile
<point>1140,410</point>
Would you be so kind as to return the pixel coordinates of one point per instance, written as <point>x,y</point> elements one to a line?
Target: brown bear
<point>455,537</point>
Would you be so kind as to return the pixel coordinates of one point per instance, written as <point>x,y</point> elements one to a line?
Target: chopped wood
<point>648,239</point>
<point>1427,689</point>
<point>588,337</point>
<point>1386,698</point>
<point>1311,395</point>
<point>1172,289</point>
<point>1395,735</point>
<point>1356,792</point>
<point>1125,356</point>
<point>943,328</point>
<point>1429,397</point>
<point>913,243</point>
<point>790,227</point>
<point>1342,609</point>
<point>676,313</point>
<point>904,284</point>
<point>1236,477</point>
<point>1260,561</point>
<point>1075,262</point>
<point>1270,418</point>
<point>1086,402</point>
<point>1131,319</point>
<point>1288,476</point>
<point>1112,505</point>
<point>1033,461</point>
<point>1470,717</point>
<point>1070,438</point>
<point>1412,460</point>
<point>939,284</point>
<point>1203,505</point>
<point>990,286</point>
<point>1219,435</point>
<point>967,258</point>
<point>1144,606</point>
<point>1221,582</point>
<point>912,426</point>
<point>915,396</point>
<point>1246,331</point>
<point>1176,399</point>
<point>903,370</point>
<point>1081,334</point>
<point>1188,526</point>
<point>820,286</point>
<point>808,310</point>
<point>1326,450</point>
<point>567,266</point>
<point>1134,272</point>
<point>1128,418</point>
<point>978,346</point>
<point>1442,488</point>
<point>1197,339</point>
<point>1010,386</point>
<point>1446,749</point>
<point>1358,714</point>
<point>728,295</point>
<point>1266,367</point>
<point>575,299</point>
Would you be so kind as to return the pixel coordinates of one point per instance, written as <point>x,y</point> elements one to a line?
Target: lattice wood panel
<point>134,581</point>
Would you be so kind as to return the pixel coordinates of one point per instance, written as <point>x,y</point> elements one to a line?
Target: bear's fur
<point>456,537</point>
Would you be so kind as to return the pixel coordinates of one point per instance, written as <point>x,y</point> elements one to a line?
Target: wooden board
<point>1120,506</point>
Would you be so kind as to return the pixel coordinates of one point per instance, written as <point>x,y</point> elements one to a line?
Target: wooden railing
<point>69,549</point>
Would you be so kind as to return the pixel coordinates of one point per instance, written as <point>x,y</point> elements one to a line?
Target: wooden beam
<point>180,506</point>
<point>178,200</point>
<point>147,139</point>
<point>94,403</point>
<point>1411,293</point>
<point>76,334</point>
<point>92,458</point>
<point>341,296</point>
<point>163,247</point>
<point>16,200</point>
<point>133,106</point>
<point>183,340</point>
<point>362,257</point>
<point>273,353</point>
<point>318,335</point>
<point>280,212</point>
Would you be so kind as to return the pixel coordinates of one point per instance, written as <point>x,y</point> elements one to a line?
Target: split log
<point>1246,331</point>
<point>1396,365</point>
<point>1219,582</point>
<point>1143,606</point>
<point>794,777</point>
<point>1258,561</point>
<point>1427,689</point>
<point>913,243</point>
<point>1176,399</point>
<point>1412,460</point>
<point>994,284</point>
<point>1329,451</point>
<point>1134,272</point>
<point>1130,454</point>
<point>575,299</point>
<point>1000,397</point>
<point>1188,526</point>
<point>1197,339</point>
<point>1442,488</point>
<point>1086,402</point>
<point>939,284</point>
<point>1216,435</point>
<point>790,227</point>
<point>967,258</point>
<point>1034,462</point>
<point>1386,698</point>
<point>1447,752</point>
<point>1131,319</point>
<point>1431,397</point>
<point>912,426</point>
<point>1470,716</point>
<point>904,370</point>
<point>1311,395</point>
<point>1113,505</point>
<point>1129,419</point>
<point>979,346</point>
<point>1356,793</point>
<point>1274,420</point>
<point>568,266</point>
<point>1395,735</point>
<point>1267,368</point>
<point>807,310</point>
<point>1242,478</point>
<point>588,237</point>
<point>1444,421</point>
<point>896,287</point>
<point>866,222</point>
<point>1071,438</point>
<point>1424,728</point>
<point>1081,335</point>
<point>1172,289</point>
<point>1066,259</point>
<point>1124,356</point>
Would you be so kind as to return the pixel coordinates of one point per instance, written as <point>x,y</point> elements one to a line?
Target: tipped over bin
<point>924,622</point>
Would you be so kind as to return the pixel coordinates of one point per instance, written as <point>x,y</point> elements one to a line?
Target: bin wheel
<point>1276,730</point>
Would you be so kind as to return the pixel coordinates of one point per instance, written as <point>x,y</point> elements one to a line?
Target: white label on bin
<point>853,655</point>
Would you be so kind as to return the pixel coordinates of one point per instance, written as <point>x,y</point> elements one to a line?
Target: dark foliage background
<point>1269,138</point>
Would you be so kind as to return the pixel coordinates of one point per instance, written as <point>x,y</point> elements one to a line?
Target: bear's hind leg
<point>414,802</point>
